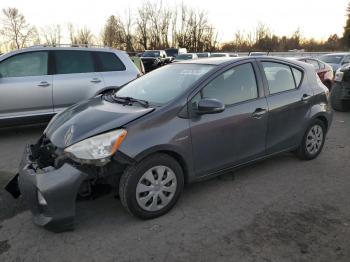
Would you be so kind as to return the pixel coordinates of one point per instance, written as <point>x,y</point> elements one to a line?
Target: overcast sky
<point>315,18</point>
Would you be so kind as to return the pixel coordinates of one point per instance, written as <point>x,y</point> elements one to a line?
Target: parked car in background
<point>184,122</point>
<point>153,59</point>
<point>38,82</point>
<point>336,60</point>
<point>174,52</point>
<point>257,54</point>
<point>187,56</point>
<point>203,55</point>
<point>323,70</point>
<point>340,95</point>
<point>219,55</point>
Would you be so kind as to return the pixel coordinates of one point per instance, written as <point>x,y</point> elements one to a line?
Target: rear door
<point>237,134</point>
<point>25,85</point>
<point>288,98</point>
<point>75,78</point>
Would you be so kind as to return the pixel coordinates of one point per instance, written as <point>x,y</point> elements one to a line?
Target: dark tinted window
<point>73,62</point>
<point>109,62</point>
<point>26,64</point>
<point>279,77</point>
<point>235,85</point>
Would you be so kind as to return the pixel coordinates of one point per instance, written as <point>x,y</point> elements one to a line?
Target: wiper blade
<point>127,100</point>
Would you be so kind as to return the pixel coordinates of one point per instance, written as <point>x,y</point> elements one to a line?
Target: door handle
<point>95,80</point>
<point>305,97</point>
<point>44,84</point>
<point>259,112</point>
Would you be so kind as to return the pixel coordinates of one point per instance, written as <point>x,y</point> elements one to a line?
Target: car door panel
<point>229,138</point>
<point>25,86</point>
<point>69,89</point>
<point>75,78</point>
<point>236,135</point>
<point>288,110</point>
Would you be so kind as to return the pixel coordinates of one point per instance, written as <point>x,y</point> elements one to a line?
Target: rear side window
<point>281,77</point>
<point>26,64</point>
<point>298,75</point>
<point>73,62</point>
<point>109,62</point>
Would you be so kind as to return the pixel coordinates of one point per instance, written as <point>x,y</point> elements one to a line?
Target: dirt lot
<point>282,209</point>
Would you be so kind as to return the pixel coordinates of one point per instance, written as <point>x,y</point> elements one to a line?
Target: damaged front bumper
<point>50,193</point>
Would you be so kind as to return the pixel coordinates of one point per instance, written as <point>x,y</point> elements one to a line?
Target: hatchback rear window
<point>109,62</point>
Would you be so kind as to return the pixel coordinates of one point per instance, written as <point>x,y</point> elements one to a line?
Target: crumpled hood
<point>90,118</point>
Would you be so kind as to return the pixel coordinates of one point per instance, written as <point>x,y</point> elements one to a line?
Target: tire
<point>328,84</point>
<point>312,140</point>
<point>340,105</point>
<point>147,200</point>
<point>337,103</point>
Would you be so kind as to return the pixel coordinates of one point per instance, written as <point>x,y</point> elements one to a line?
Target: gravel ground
<point>282,209</point>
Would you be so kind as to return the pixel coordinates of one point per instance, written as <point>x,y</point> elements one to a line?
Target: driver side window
<point>235,85</point>
<point>25,64</point>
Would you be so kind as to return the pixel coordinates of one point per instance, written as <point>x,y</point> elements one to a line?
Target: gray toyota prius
<point>181,123</point>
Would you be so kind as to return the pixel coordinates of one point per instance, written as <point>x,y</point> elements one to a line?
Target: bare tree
<point>85,36</point>
<point>52,34</point>
<point>127,27</point>
<point>72,34</point>
<point>142,28</point>
<point>15,28</point>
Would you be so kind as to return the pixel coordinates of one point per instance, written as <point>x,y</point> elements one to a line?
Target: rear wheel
<point>339,104</point>
<point>313,141</point>
<point>152,187</point>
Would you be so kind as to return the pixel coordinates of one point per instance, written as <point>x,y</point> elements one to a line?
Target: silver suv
<point>40,81</point>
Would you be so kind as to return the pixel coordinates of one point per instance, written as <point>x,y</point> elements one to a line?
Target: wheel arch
<point>172,152</point>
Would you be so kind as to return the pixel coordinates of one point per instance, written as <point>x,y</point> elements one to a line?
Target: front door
<point>25,86</point>
<point>235,135</point>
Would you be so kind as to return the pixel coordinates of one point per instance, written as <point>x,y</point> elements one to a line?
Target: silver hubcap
<point>156,188</point>
<point>314,139</point>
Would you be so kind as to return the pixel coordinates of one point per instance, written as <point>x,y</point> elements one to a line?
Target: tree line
<point>155,25</point>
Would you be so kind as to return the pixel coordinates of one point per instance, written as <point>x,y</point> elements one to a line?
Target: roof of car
<point>228,60</point>
<point>211,61</point>
<point>343,53</point>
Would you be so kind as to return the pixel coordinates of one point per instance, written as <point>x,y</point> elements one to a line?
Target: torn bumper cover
<point>49,193</point>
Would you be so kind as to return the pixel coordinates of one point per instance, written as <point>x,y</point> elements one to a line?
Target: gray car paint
<point>204,145</point>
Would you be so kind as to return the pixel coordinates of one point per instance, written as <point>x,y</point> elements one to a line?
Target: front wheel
<point>152,187</point>
<point>313,141</point>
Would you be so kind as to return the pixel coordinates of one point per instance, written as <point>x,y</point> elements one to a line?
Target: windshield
<point>151,54</point>
<point>171,52</point>
<point>203,54</point>
<point>164,84</point>
<point>184,57</point>
<point>331,59</point>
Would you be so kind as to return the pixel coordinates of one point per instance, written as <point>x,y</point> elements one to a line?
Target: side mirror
<point>210,106</point>
<point>163,56</point>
